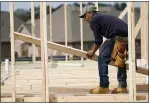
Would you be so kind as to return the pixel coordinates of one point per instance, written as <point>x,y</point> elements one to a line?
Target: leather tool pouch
<point>119,53</point>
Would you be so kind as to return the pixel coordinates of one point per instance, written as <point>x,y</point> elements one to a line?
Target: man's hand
<point>90,54</point>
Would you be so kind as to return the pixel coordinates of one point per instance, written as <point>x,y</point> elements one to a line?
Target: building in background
<point>5,32</point>
<point>23,49</point>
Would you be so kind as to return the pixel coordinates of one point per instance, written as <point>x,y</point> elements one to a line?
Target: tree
<point>122,6</point>
<point>23,14</point>
<point>116,5</point>
<point>90,3</point>
<point>76,4</point>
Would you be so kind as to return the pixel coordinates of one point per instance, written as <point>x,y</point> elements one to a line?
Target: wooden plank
<point>45,49</point>
<point>33,99</point>
<point>122,14</point>
<point>137,27</point>
<point>60,88</point>
<point>142,87</point>
<point>81,29</point>
<point>52,45</point>
<point>33,31</point>
<point>12,40</point>
<point>133,51</point>
<point>42,54</point>
<point>44,57</point>
<point>144,30</point>
<point>79,98</point>
<point>131,92</point>
<point>65,19</point>
<point>50,19</point>
<point>146,12</point>
<point>66,49</point>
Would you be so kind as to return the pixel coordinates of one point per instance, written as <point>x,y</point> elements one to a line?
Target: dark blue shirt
<point>107,26</point>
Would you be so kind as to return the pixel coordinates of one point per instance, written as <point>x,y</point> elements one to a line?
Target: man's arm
<point>92,51</point>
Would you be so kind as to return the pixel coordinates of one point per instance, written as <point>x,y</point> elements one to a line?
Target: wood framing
<point>81,29</point>
<point>131,44</point>
<point>78,98</point>
<point>50,20</point>
<point>144,30</point>
<point>12,51</point>
<point>68,50</point>
<point>33,31</point>
<point>137,27</point>
<point>44,57</point>
<point>133,51</point>
<point>66,31</point>
<point>123,13</point>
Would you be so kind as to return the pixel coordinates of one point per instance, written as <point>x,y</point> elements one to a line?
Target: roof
<point>73,24</point>
<point>5,25</point>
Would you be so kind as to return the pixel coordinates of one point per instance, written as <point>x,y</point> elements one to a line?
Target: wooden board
<point>123,13</point>
<point>78,98</point>
<point>65,49</point>
<point>12,40</point>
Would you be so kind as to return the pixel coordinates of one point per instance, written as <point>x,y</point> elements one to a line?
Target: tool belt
<point>119,52</point>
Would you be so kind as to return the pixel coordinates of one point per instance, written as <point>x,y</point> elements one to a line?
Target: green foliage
<point>23,14</point>
<point>120,6</point>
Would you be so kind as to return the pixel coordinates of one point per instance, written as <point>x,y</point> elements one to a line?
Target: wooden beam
<point>122,14</point>
<point>144,29</point>
<point>52,45</point>
<point>44,57</point>
<point>12,40</point>
<point>66,31</point>
<point>33,99</point>
<point>66,49</point>
<point>81,29</point>
<point>137,27</point>
<point>130,37</point>
<point>78,98</point>
<point>142,87</point>
<point>50,20</point>
<point>133,51</point>
<point>33,31</point>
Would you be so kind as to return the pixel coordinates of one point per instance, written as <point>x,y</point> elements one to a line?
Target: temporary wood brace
<point>66,49</point>
<point>123,13</point>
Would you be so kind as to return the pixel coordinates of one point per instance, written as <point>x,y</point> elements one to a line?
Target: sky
<point>27,5</point>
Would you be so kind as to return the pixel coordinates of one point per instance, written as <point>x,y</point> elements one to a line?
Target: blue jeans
<point>104,60</point>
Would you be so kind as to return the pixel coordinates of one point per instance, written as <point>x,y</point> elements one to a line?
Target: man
<point>111,28</point>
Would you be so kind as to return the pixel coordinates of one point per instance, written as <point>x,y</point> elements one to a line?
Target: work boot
<point>99,90</point>
<point>120,90</point>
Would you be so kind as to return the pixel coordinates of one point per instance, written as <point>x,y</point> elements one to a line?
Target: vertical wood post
<point>133,51</point>
<point>144,30</point>
<point>50,20</point>
<point>12,51</point>
<point>33,31</point>
<point>44,57</point>
<point>65,17</point>
<point>81,29</point>
<point>131,44</point>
